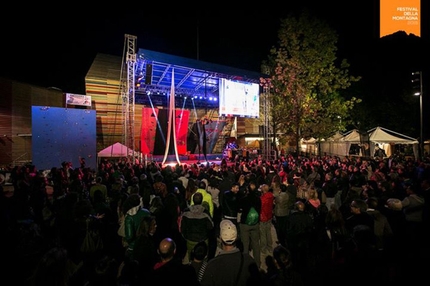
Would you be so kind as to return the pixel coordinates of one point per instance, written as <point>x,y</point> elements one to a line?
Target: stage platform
<point>188,159</point>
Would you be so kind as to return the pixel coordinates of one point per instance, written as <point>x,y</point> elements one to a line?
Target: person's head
<point>147,227</point>
<point>131,201</point>
<point>252,186</point>
<point>160,189</point>
<point>394,204</point>
<point>300,206</point>
<point>372,202</point>
<point>199,251</point>
<point>198,198</point>
<point>282,257</point>
<point>334,217</point>
<point>202,185</point>
<point>283,188</point>
<point>410,189</point>
<point>167,249</point>
<point>358,206</point>
<point>312,193</point>
<point>228,232</point>
<point>235,187</point>
<point>264,188</point>
<point>98,197</point>
<point>425,184</point>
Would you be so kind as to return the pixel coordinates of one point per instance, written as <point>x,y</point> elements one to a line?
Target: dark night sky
<point>55,47</point>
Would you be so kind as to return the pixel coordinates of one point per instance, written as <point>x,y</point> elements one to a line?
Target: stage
<point>188,159</point>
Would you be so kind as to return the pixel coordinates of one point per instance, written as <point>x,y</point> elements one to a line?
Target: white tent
<point>352,137</point>
<point>308,145</point>
<point>379,134</point>
<point>334,145</point>
<point>337,136</point>
<point>116,150</point>
<point>339,145</point>
<point>385,138</point>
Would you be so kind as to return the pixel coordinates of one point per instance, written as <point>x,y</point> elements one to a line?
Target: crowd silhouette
<point>335,220</point>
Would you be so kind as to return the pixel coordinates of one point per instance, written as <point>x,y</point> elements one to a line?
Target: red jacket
<point>266,213</point>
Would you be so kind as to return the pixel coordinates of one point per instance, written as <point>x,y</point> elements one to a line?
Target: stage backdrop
<point>209,134</point>
<point>154,131</point>
<point>63,134</point>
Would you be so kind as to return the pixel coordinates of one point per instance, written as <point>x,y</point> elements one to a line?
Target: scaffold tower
<point>266,126</point>
<point>128,91</point>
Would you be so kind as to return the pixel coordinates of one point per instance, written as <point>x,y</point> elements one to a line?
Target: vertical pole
<point>421,117</point>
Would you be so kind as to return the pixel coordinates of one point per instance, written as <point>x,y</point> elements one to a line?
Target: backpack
<point>92,241</point>
<point>253,217</point>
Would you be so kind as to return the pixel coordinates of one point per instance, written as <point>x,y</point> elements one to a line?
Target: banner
<point>209,133</point>
<point>78,99</point>
<point>149,128</point>
<point>400,15</point>
<point>154,130</point>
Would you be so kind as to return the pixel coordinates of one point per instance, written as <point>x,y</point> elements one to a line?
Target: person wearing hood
<point>134,212</point>
<point>196,223</point>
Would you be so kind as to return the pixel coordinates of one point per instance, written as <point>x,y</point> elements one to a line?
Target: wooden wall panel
<point>15,118</point>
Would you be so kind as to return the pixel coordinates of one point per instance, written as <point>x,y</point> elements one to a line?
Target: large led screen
<point>239,98</point>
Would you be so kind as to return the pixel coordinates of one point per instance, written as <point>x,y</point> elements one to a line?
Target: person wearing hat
<point>230,266</point>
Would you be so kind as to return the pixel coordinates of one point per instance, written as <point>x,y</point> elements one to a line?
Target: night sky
<point>55,47</point>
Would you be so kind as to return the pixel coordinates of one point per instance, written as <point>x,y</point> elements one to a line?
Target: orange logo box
<point>400,15</point>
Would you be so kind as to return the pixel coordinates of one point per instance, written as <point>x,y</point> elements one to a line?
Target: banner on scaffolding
<point>154,130</point>
<point>209,134</point>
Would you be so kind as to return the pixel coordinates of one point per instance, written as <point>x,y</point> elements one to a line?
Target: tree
<point>305,82</point>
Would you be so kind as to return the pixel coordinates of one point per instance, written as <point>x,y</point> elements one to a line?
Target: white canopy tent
<point>339,145</point>
<point>308,145</point>
<point>117,150</point>
<point>352,137</point>
<point>385,138</point>
<point>334,145</point>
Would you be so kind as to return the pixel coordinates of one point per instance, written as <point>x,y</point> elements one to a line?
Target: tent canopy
<point>379,134</point>
<point>116,150</point>
<point>353,136</point>
<point>337,145</point>
<point>335,137</point>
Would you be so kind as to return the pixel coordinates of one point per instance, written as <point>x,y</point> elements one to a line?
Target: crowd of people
<point>295,220</point>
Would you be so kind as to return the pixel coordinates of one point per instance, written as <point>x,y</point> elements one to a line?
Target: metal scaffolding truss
<point>266,128</point>
<point>193,78</point>
<point>128,91</point>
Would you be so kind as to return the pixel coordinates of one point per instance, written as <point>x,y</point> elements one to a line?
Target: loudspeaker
<point>148,74</point>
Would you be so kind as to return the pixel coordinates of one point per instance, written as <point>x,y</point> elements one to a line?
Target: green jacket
<point>132,222</point>
<point>207,198</point>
